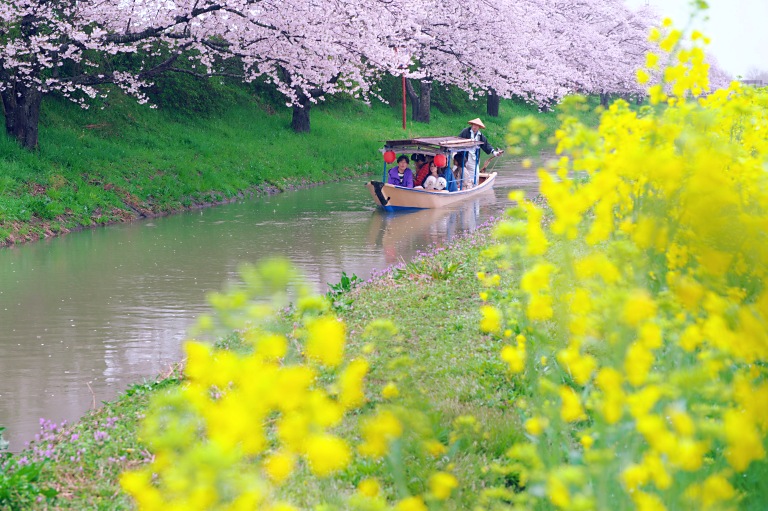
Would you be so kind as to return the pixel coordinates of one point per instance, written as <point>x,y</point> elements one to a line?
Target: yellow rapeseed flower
<point>571,409</point>
<point>638,363</point>
<point>634,477</point>
<point>537,278</point>
<point>377,432</point>
<point>435,448</point>
<point>638,307</point>
<point>514,356</point>
<point>272,346</point>
<point>539,307</point>
<point>441,484</point>
<point>198,359</point>
<point>369,487</point>
<point>277,506</point>
<point>558,492</point>
<point>350,383</point>
<point>536,425</point>
<point>390,391</point>
<point>648,502</point>
<point>411,504</point>
<point>745,443</point>
<point>491,321</point>
<point>713,490</point>
<point>326,454</point>
<point>279,466</point>
<point>325,341</point>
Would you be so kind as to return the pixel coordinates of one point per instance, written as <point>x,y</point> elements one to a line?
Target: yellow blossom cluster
<point>644,313</point>
<point>247,425</point>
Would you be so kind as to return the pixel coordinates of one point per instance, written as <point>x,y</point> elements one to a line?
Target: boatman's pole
<point>403,100</point>
<point>403,79</point>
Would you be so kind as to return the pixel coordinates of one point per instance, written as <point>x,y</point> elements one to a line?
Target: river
<point>85,315</point>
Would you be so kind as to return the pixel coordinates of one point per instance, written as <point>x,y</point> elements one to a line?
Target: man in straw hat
<point>470,161</point>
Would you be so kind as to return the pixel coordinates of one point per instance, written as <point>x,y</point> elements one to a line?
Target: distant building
<point>755,83</point>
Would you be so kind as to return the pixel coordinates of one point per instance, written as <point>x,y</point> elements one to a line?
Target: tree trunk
<point>546,105</point>
<point>300,120</point>
<point>604,99</point>
<point>425,101</point>
<point>21,106</point>
<point>422,102</point>
<point>413,97</point>
<point>492,107</point>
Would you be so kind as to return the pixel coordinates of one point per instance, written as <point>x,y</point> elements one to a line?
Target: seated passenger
<point>418,160</point>
<point>450,182</point>
<point>423,172</point>
<point>401,175</point>
<point>462,173</point>
<point>434,181</point>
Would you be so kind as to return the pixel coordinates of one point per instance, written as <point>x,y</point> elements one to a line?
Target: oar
<point>485,165</point>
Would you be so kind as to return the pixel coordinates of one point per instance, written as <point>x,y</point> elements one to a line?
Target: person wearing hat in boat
<point>472,132</point>
<point>401,175</point>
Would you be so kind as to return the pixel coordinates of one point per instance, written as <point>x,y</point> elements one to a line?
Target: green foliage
<point>430,268</point>
<point>338,294</point>
<point>19,481</point>
<point>148,387</point>
<point>449,98</point>
<point>187,95</point>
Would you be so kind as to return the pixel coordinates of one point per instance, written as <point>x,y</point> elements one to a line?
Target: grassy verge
<point>456,369</point>
<point>101,166</point>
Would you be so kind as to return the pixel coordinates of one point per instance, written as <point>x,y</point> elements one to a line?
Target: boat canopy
<point>431,145</point>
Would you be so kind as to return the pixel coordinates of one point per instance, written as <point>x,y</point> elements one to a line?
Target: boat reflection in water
<point>399,234</point>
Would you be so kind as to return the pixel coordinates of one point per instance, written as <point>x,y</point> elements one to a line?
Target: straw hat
<point>477,121</point>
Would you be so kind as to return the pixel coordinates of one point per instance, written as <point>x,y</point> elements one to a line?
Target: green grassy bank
<point>119,160</point>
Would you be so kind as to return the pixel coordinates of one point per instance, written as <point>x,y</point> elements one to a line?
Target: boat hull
<point>397,198</point>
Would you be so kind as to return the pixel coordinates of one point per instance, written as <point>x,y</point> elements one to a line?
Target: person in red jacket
<point>423,172</point>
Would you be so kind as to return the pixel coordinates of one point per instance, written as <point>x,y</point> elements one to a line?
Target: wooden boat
<point>393,198</point>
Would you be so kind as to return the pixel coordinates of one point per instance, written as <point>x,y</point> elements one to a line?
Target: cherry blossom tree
<point>307,48</point>
<point>63,45</point>
<point>537,50</point>
<point>585,46</point>
<point>341,46</point>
